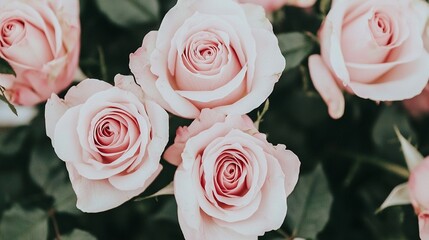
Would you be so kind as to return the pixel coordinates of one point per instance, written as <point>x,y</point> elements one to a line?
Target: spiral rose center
<point>110,134</point>
<point>231,174</point>
<point>12,31</point>
<point>205,52</point>
<point>381,28</point>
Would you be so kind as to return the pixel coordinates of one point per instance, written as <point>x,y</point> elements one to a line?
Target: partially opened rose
<point>231,183</point>
<point>272,5</point>
<point>110,138</point>
<point>209,54</point>
<point>40,39</point>
<point>372,48</point>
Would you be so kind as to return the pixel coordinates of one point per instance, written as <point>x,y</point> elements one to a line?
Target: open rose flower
<point>110,138</point>
<point>419,105</point>
<point>272,5</point>
<point>40,39</point>
<point>415,190</point>
<point>372,48</point>
<point>209,54</point>
<point>231,183</point>
<point>418,188</point>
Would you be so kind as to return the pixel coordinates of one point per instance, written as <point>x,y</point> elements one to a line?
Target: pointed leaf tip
<point>411,154</point>
<point>398,196</point>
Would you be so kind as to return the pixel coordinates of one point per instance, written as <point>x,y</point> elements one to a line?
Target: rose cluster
<point>213,62</point>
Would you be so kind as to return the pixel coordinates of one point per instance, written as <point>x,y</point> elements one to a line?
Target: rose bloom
<point>209,54</point>
<point>231,183</point>
<point>110,138</point>
<point>40,39</point>
<point>419,195</point>
<point>272,5</point>
<point>419,105</point>
<point>372,48</point>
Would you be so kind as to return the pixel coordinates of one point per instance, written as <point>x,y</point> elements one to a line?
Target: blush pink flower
<point>272,5</point>
<point>41,41</point>
<point>419,195</point>
<point>231,183</point>
<point>110,138</point>
<point>419,105</point>
<point>372,48</point>
<point>209,54</point>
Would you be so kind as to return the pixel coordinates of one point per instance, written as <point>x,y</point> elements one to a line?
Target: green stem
<point>380,163</point>
<point>283,233</point>
<point>103,68</point>
<point>51,214</point>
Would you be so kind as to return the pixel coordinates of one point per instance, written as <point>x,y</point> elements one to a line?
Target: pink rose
<point>419,195</point>
<point>272,5</point>
<point>110,138</point>
<point>231,183</point>
<point>424,225</point>
<point>41,41</point>
<point>420,104</point>
<point>209,54</point>
<point>372,48</point>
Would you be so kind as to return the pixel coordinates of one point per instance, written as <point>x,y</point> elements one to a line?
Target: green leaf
<point>5,67</point>
<point>78,234</point>
<point>384,135</point>
<point>12,140</point>
<point>295,47</point>
<point>309,205</point>
<point>412,156</point>
<point>168,212</point>
<point>49,172</point>
<point>5,100</point>
<point>325,6</point>
<point>128,13</point>
<point>20,224</point>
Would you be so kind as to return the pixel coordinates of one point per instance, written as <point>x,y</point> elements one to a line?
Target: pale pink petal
<point>150,165</point>
<point>270,64</point>
<point>222,93</point>
<point>290,165</point>
<point>144,176</point>
<point>417,185</point>
<point>151,85</point>
<point>327,87</point>
<point>187,205</point>
<point>80,93</point>
<point>395,85</point>
<point>212,231</point>
<point>330,45</point>
<point>66,133</point>
<point>97,195</point>
<point>127,83</point>
<point>424,225</point>
<point>54,110</point>
<point>272,209</point>
<point>256,17</point>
